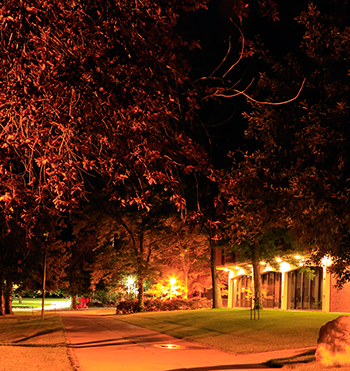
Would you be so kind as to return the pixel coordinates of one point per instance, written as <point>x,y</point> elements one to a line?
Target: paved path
<point>98,342</point>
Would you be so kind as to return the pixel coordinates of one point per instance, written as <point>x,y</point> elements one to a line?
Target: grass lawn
<point>27,343</point>
<point>33,302</point>
<point>232,331</point>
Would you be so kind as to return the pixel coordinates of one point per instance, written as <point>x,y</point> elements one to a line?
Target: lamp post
<point>129,283</point>
<point>45,236</point>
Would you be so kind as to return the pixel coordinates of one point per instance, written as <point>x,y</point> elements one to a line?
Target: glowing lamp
<point>130,281</point>
<point>284,267</point>
<point>326,261</point>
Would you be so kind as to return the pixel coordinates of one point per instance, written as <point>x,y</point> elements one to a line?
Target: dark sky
<point>222,119</point>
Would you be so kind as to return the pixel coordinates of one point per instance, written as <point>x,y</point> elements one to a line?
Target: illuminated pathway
<point>98,342</point>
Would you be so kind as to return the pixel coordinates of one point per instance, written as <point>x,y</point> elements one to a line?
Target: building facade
<point>287,287</point>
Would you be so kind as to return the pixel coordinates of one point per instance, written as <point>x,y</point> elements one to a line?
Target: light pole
<point>129,283</point>
<point>45,235</point>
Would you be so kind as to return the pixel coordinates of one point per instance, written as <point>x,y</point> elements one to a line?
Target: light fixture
<point>284,267</point>
<point>326,261</point>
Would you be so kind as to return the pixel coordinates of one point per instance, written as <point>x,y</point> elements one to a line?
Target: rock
<point>333,344</point>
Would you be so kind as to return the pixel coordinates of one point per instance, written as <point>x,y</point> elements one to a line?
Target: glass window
<point>305,290</point>
<point>271,289</point>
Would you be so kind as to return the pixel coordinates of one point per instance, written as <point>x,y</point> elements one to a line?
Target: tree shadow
<point>306,357</point>
<point>39,333</point>
<point>227,367</point>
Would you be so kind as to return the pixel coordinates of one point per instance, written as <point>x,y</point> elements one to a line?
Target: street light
<point>172,283</point>
<point>129,283</point>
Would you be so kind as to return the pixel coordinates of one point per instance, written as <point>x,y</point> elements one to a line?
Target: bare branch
<point>237,92</point>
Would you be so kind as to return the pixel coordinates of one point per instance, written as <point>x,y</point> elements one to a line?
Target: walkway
<point>98,342</point>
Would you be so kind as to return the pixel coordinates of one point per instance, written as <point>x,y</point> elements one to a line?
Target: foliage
<point>155,305</point>
<point>106,297</point>
<point>186,256</point>
<point>89,90</point>
<point>303,158</point>
<point>165,290</point>
<point>82,72</point>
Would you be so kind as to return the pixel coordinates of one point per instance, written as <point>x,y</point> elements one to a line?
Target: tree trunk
<point>19,299</point>
<point>257,276</point>
<point>74,301</point>
<point>185,266</point>
<point>186,286</point>
<point>214,273</point>
<point>2,298</point>
<point>140,304</point>
<point>8,297</point>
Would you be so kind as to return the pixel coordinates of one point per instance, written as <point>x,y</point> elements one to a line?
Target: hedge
<point>157,305</point>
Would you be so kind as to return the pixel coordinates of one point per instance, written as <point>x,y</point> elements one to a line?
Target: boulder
<point>333,344</point>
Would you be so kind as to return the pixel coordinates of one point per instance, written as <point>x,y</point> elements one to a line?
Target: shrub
<point>126,306</point>
<point>157,305</point>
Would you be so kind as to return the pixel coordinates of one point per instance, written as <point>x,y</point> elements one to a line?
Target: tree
<point>256,226</point>
<point>99,81</point>
<point>186,254</point>
<point>303,155</point>
<point>145,235</point>
<point>90,87</point>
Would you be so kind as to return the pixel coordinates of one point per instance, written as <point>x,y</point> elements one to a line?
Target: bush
<point>157,305</point>
<point>126,306</point>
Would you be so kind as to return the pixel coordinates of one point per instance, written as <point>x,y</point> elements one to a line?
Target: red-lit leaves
<point>91,87</point>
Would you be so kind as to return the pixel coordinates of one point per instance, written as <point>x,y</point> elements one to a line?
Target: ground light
<point>168,346</point>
